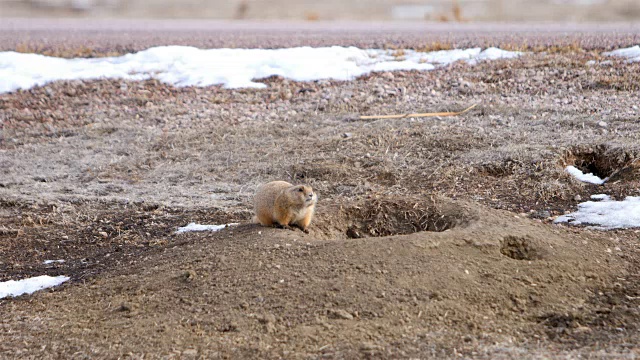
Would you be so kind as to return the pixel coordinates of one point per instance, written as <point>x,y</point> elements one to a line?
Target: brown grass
<point>435,46</point>
<point>572,48</point>
<point>65,52</point>
<point>91,52</point>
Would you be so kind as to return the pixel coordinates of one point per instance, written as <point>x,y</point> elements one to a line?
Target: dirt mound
<point>250,291</point>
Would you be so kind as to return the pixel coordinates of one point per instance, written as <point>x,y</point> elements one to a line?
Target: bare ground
<point>433,237</point>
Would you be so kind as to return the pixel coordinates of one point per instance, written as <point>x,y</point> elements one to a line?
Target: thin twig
<point>400,116</point>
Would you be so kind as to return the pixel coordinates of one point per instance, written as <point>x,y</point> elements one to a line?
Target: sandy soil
<point>433,237</point>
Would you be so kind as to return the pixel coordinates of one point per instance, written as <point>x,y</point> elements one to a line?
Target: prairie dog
<point>279,203</point>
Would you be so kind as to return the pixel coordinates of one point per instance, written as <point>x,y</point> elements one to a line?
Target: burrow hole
<point>602,161</point>
<point>386,217</point>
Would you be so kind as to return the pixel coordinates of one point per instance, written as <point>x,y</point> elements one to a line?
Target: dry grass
<point>620,82</point>
<point>438,45</point>
<point>64,52</point>
<point>435,46</point>
<point>571,48</point>
<point>399,54</point>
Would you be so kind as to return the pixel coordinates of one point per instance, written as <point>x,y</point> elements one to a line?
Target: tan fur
<point>279,203</point>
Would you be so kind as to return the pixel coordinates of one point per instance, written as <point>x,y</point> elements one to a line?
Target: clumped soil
<point>433,236</point>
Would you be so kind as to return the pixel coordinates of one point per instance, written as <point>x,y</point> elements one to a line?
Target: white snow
<point>632,54</point>
<point>47,262</point>
<point>495,54</point>
<point>198,227</point>
<point>233,68</point>
<point>30,285</point>
<point>606,214</point>
<point>588,178</point>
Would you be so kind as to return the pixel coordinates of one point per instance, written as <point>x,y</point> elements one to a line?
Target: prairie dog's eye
<point>301,190</point>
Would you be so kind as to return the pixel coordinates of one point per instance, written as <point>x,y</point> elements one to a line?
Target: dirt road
<point>434,237</point>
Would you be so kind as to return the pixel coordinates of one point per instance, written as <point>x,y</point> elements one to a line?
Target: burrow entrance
<point>604,162</point>
<point>396,216</point>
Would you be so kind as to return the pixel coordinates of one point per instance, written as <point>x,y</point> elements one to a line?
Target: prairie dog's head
<point>302,195</point>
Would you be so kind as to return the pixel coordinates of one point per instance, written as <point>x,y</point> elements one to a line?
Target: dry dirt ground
<point>433,236</point>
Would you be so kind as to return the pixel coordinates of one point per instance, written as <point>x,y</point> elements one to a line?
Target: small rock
<point>602,124</point>
<point>103,234</point>
<point>340,314</point>
<point>581,329</point>
<point>387,75</point>
<point>542,214</point>
<point>369,348</point>
<point>286,94</point>
<point>266,319</point>
<point>577,198</point>
<point>347,135</point>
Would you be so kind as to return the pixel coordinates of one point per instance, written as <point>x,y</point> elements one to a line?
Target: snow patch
<point>199,227</point>
<point>605,214</point>
<point>30,285</point>
<point>496,54</point>
<point>588,178</point>
<point>632,54</point>
<point>232,68</point>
